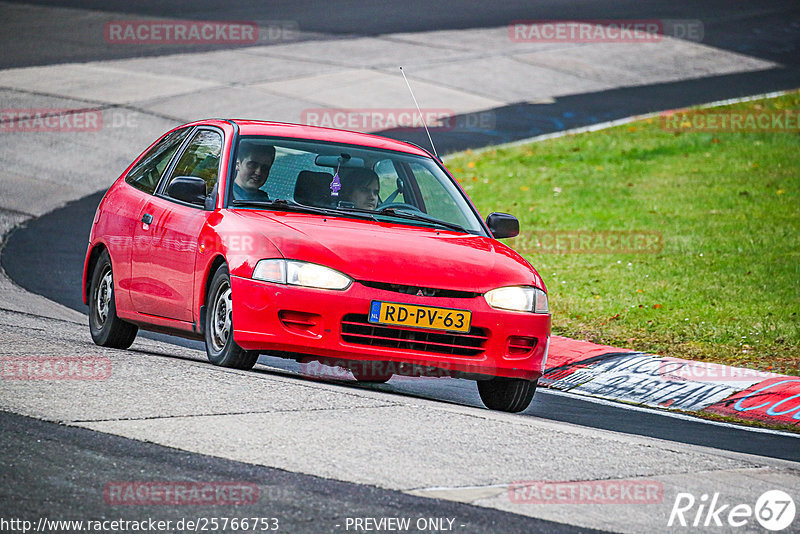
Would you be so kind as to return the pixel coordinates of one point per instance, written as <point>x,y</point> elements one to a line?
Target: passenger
<point>252,169</point>
<point>361,187</point>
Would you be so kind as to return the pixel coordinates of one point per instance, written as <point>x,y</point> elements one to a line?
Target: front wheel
<point>106,328</point>
<point>506,394</point>
<point>221,349</point>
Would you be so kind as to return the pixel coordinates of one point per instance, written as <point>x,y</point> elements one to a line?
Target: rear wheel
<point>506,394</point>
<point>106,328</point>
<point>221,349</point>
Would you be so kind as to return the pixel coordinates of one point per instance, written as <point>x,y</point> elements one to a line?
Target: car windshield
<point>281,174</point>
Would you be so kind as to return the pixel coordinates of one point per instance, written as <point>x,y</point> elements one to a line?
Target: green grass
<point>724,287</point>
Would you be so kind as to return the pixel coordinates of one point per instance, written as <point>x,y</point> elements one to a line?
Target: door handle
<point>147,218</point>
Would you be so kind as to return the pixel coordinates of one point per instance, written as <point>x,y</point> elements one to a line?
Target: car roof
<point>300,131</point>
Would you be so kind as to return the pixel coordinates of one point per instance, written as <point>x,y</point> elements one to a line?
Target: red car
<point>318,245</point>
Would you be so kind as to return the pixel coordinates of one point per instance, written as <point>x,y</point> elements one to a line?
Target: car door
<point>166,237</point>
<point>121,207</point>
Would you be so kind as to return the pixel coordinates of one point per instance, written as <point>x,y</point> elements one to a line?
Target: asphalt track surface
<point>767,30</point>
<point>75,459</point>
<point>46,255</point>
<point>50,244</point>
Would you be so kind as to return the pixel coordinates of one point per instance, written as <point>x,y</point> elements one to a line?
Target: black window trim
<point>227,192</point>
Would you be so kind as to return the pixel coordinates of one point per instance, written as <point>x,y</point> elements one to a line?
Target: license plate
<point>419,316</point>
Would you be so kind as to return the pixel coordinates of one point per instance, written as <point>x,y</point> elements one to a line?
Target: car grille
<point>421,291</point>
<point>356,329</point>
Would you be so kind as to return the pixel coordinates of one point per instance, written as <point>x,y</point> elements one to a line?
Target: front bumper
<point>331,325</point>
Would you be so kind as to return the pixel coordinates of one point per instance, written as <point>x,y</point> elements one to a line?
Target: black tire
<point>368,372</point>
<point>221,349</point>
<point>106,328</point>
<point>506,394</point>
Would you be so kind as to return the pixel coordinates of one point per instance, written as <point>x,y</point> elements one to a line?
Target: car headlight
<point>518,298</point>
<point>300,273</point>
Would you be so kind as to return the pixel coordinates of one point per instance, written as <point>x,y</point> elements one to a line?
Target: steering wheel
<point>398,205</point>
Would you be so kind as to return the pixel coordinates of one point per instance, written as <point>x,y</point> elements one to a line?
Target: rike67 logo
<point>774,510</point>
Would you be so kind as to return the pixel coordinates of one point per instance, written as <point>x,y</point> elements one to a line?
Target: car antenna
<point>420,113</point>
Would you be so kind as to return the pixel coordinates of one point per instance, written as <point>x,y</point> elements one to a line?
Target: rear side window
<point>201,158</point>
<point>146,174</point>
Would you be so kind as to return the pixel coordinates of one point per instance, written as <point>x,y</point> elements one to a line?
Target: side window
<point>146,174</point>
<point>439,202</point>
<point>201,159</point>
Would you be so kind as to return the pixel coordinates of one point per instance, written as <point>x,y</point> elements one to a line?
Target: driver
<point>361,187</point>
<point>252,168</point>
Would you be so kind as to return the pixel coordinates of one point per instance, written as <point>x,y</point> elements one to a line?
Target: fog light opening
<point>521,345</point>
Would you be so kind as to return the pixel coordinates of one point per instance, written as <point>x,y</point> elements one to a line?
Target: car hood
<point>368,250</point>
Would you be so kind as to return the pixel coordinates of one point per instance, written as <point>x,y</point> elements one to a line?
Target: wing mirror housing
<point>502,225</point>
<point>189,189</point>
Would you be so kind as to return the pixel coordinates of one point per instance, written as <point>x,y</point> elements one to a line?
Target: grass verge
<point>684,244</point>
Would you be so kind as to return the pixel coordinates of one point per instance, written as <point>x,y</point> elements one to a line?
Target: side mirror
<point>189,189</point>
<point>502,225</point>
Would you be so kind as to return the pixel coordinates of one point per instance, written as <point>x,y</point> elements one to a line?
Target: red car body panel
<point>315,326</point>
<point>161,270</point>
<point>391,253</point>
<point>298,131</point>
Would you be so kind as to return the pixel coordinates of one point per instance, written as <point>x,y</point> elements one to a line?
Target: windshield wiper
<point>394,212</point>
<point>291,205</point>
